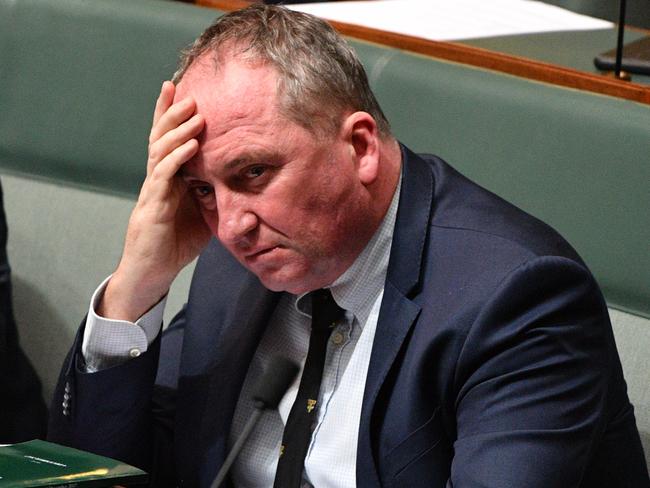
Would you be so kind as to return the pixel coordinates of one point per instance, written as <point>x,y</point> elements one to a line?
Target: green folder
<point>41,463</point>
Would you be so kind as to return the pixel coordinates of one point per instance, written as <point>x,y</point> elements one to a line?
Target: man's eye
<point>255,171</point>
<point>202,191</point>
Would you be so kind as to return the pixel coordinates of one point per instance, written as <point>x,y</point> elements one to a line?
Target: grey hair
<point>320,77</point>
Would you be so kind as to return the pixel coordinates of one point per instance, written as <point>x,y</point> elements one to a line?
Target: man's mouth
<point>256,254</point>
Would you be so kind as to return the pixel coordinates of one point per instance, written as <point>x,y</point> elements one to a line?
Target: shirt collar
<point>357,289</point>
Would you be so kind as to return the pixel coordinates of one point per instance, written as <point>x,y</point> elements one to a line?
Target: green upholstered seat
<point>79,79</point>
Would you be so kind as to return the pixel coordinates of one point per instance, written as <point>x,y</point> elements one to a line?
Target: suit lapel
<point>221,339</point>
<point>398,312</point>
<point>237,344</point>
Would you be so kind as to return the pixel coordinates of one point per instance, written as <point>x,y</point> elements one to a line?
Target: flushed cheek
<point>211,219</point>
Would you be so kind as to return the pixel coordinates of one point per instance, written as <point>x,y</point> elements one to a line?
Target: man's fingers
<point>174,116</point>
<point>160,189</point>
<point>164,101</point>
<point>173,139</point>
<point>170,164</point>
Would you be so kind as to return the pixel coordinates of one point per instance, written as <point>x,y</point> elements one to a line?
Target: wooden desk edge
<point>481,58</point>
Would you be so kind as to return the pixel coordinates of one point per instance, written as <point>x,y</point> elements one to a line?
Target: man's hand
<point>166,230</point>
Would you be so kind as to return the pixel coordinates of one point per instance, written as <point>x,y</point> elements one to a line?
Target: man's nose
<point>236,220</point>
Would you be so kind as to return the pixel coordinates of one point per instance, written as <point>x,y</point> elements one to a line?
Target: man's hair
<point>320,77</point>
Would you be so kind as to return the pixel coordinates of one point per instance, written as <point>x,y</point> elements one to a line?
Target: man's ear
<point>360,131</point>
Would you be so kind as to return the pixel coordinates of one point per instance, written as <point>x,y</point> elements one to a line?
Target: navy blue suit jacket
<point>493,365</point>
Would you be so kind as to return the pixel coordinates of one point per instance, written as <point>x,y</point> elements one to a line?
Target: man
<point>474,348</point>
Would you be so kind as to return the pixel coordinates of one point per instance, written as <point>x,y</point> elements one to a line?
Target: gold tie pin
<point>310,405</point>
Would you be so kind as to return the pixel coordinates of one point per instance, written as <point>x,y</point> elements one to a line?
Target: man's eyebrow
<point>243,160</point>
<point>252,158</point>
<point>183,173</point>
<point>240,161</point>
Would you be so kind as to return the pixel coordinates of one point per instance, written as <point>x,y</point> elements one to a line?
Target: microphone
<point>267,394</point>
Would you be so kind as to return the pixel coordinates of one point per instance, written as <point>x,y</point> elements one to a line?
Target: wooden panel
<point>482,58</point>
<point>226,5</point>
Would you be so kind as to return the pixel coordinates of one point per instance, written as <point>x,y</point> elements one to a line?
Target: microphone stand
<point>241,440</point>
<point>271,387</point>
<point>619,43</point>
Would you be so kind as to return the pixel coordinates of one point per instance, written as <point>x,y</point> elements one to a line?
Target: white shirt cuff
<point>108,342</point>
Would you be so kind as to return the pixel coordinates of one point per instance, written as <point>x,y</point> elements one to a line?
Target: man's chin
<point>289,286</point>
<point>286,280</point>
<point>291,276</point>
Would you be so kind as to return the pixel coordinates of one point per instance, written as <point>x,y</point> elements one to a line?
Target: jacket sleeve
<point>124,412</point>
<point>532,380</point>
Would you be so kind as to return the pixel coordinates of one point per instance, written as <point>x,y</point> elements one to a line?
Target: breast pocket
<point>423,458</point>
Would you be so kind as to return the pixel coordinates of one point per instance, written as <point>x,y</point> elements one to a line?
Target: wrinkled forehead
<point>235,81</point>
<point>229,63</point>
<point>201,72</point>
<point>238,92</point>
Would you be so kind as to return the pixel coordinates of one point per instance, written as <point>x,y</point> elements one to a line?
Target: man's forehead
<point>231,96</point>
<point>233,74</point>
<point>200,72</point>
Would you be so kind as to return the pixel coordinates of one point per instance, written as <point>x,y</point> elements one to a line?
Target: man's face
<point>289,206</point>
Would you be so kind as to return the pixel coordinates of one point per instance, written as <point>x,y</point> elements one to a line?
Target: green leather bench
<point>78,82</point>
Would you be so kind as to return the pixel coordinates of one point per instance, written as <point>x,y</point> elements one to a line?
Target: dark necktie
<point>297,431</point>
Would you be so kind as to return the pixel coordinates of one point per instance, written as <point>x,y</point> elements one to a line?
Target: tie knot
<point>325,311</point>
